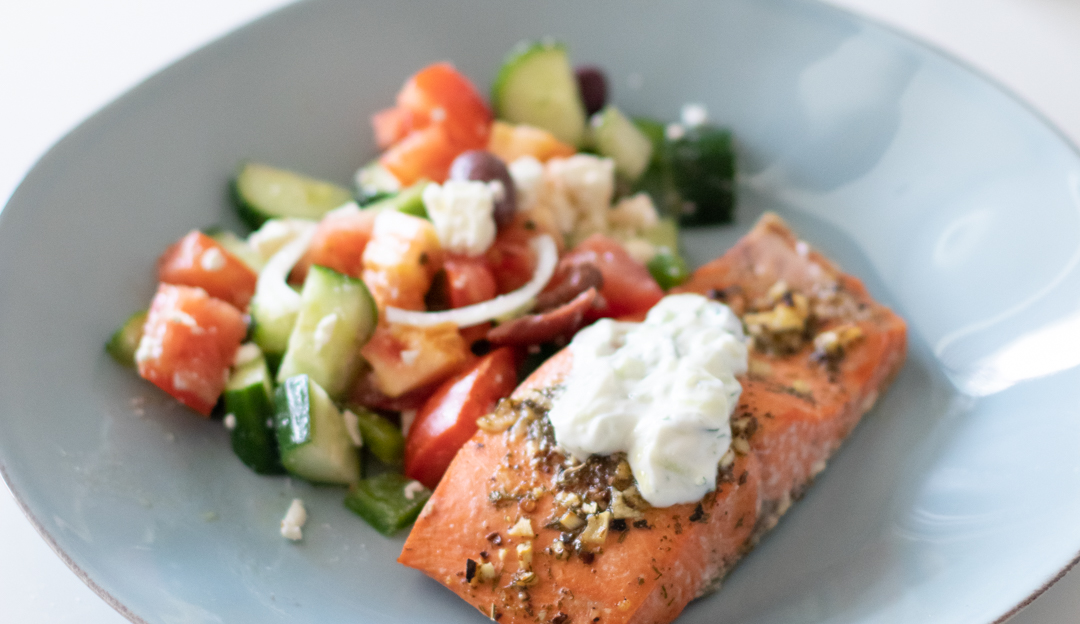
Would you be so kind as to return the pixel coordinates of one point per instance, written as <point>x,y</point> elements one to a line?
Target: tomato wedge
<point>448,419</point>
<point>440,94</point>
<point>199,261</point>
<point>400,260</point>
<point>422,154</point>
<point>391,125</point>
<point>188,343</point>
<point>439,114</point>
<point>339,243</point>
<point>405,358</point>
<point>628,287</point>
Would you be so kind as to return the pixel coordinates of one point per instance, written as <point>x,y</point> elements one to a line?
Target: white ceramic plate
<point>954,502</point>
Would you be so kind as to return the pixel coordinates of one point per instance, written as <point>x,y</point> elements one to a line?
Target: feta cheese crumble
<point>573,197</point>
<point>694,115</point>
<point>246,353</point>
<point>583,187</point>
<point>294,520</point>
<point>634,213</point>
<point>463,213</point>
<point>528,176</point>
<point>352,425</point>
<point>662,391</point>
<point>409,356</point>
<point>412,488</point>
<point>276,233</point>
<point>212,260</point>
<point>182,318</point>
<point>230,421</point>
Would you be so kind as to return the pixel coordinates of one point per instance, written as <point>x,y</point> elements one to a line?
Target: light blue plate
<point>955,501</point>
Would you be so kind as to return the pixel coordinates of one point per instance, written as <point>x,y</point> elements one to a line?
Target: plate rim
<point>83,576</point>
<point>162,74</point>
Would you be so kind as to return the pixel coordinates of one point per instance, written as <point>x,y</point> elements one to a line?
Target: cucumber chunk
<point>124,342</point>
<point>692,177</point>
<point>337,316</point>
<point>262,192</point>
<point>311,433</point>
<point>374,182</point>
<point>536,86</point>
<point>275,305</point>
<point>664,235</point>
<point>384,501</point>
<point>657,178</point>
<point>382,437</point>
<point>410,201</point>
<point>249,397</point>
<point>615,136</point>
<point>237,247</point>
<point>703,169</point>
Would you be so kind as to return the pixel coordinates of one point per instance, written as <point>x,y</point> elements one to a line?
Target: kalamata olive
<point>569,282</point>
<point>557,324</point>
<point>487,167</point>
<point>593,87</point>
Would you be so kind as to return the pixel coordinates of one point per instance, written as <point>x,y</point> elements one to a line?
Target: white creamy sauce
<point>662,391</point>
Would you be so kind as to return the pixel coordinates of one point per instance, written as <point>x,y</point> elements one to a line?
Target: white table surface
<point>61,60</point>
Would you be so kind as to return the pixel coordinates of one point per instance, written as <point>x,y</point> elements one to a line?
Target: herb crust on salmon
<point>526,534</point>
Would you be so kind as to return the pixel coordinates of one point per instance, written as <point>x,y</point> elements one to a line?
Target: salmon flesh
<point>525,534</point>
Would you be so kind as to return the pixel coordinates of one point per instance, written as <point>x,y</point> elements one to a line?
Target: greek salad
<point>364,330</point>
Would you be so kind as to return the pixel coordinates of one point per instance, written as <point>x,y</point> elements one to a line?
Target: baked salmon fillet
<point>526,534</point>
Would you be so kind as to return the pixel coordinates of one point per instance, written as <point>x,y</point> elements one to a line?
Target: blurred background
<point>61,60</point>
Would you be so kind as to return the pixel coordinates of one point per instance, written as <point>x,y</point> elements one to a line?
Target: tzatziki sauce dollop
<point>662,391</point>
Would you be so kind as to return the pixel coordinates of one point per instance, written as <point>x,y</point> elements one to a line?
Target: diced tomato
<point>366,392</point>
<point>338,243</point>
<point>475,333</point>
<point>439,115</point>
<point>469,280</point>
<point>510,257</point>
<point>510,142</point>
<point>422,154</point>
<point>448,419</point>
<point>628,287</point>
<point>199,261</point>
<point>189,341</point>
<point>400,260</point>
<point>391,125</point>
<point>442,95</point>
<point>405,358</point>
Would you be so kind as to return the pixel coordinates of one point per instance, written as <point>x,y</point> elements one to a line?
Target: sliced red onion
<point>501,307</point>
